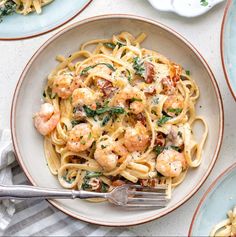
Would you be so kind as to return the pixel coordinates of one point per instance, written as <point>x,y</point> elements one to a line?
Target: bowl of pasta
<point>221,197</point>
<point>127,100</point>
<point>21,19</point>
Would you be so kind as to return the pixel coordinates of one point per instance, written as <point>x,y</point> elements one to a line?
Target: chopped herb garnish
<point>180,134</point>
<point>120,44</point>
<point>90,135</point>
<point>138,67</point>
<point>176,148</point>
<point>106,120</point>
<point>68,180</point>
<point>135,99</point>
<point>83,142</point>
<point>176,111</point>
<point>85,185</point>
<point>159,149</point>
<point>103,147</point>
<point>187,72</point>
<point>50,94</point>
<point>204,3</point>
<point>75,122</point>
<point>104,188</point>
<point>154,112</point>
<point>85,70</point>
<point>109,45</point>
<point>129,75</point>
<point>106,102</point>
<point>155,100</point>
<point>163,120</point>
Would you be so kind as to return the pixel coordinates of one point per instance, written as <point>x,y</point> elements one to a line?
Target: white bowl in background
<point>186,8</point>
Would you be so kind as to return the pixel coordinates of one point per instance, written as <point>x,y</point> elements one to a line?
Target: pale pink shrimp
<point>65,84</point>
<point>80,138</point>
<point>174,104</point>
<point>171,163</point>
<point>108,152</point>
<point>46,119</point>
<point>84,96</point>
<point>133,96</point>
<point>136,139</point>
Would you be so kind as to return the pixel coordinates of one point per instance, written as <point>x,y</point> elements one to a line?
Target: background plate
<point>228,45</point>
<point>53,16</point>
<point>217,201</point>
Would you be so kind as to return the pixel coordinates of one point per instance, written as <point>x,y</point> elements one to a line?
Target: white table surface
<point>203,32</point>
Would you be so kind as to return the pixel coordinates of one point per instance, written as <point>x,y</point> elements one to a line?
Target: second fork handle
<point>28,192</point>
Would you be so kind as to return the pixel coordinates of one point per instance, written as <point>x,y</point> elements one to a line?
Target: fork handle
<point>28,192</point>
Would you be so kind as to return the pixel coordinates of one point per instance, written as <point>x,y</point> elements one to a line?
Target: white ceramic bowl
<point>27,99</point>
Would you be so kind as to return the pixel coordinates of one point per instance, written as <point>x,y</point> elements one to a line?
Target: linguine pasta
<point>24,7</point>
<point>226,228</point>
<point>118,113</point>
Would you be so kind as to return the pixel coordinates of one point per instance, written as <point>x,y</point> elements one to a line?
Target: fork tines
<point>147,197</point>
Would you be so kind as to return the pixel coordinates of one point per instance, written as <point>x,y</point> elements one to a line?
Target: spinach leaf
<point>163,120</point>
<point>159,149</point>
<point>75,122</point>
<point>180,134</point>
<point>104,188</point>
<point>176,111</point>
<point>85,70</point>
<point>89,112</point>
<point>134,99</point>
<point>109,45</point>
<point>106,120</point>
<point>176,148</point>
<point>138,67</point>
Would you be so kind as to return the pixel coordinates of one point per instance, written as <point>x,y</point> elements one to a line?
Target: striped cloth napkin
<point>37,217</point>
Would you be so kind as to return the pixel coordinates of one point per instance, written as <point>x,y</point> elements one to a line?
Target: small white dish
<point>186,8</point>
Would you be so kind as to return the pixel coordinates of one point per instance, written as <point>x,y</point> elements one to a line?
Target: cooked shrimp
<point>64,85</point>
<point>136,139</point>
<point>133,96</point>
<point>108,152</point>
<point>174,105</point>
<point>170,163</point>
<point>46,119</point>
<point>84,96</point>
<point>80,138</point>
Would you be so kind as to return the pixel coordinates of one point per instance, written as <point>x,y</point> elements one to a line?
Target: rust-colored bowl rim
<point>222,50</point>
<point>214,183</point>
<point>214,84</point>
<point>49,30</point>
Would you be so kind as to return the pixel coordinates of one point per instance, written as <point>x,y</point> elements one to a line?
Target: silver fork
<point>133,196</point>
